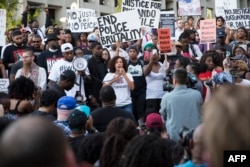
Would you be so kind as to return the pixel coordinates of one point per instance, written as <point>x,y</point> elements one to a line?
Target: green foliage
<point>11,7</point>
<point>118,8</point>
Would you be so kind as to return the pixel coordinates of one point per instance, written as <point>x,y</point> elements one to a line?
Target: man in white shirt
<point>179,29</point>
<point>66,64</point>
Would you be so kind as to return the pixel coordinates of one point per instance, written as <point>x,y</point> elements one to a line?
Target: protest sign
<point>236,18</point>
<point>168,21</point>
<point>164,35</point>
<point>148,10</point>
<point>189,7</point>
<point>221,5</point>
<point>4,83</point>
<point>2,26</point>
<point>81,20</point>
<point>121,27</point>
<point>208,31</point>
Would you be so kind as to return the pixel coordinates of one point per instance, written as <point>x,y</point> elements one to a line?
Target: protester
<point>82,41</point>
<point>122,82</point>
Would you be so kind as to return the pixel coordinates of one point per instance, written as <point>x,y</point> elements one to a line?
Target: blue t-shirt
<point>190,164</point>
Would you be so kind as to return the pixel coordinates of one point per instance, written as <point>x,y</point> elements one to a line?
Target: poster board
<point>2,26</point>
<point>208,31</point>
<point>164,38</point>
<point>81,20</point>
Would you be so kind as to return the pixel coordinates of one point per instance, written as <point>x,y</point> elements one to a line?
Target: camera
<point>168,86</point>
<point>186,135</point>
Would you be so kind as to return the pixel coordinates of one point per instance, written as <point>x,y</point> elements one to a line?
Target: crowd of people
<point>130,105</point>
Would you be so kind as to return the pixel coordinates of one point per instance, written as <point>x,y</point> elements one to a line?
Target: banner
<point>168,21</point>
<point>189,7</point>
<point>124,26</point>
<point>81,20</point>
<point>149,11</point>
<point>221,5</point>
<point>2,26</point>
<point>164,35</point>
<point>236,18</point>
<point>4,84</point>
<point>208,31</point>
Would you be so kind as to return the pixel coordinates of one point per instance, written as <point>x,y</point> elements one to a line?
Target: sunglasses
<point>91,41</point>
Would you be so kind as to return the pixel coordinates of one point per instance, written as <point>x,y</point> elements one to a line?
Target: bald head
<point>31,142</point>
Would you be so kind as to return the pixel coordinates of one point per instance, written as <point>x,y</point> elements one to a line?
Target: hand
<point>118,45</point>
<point>194,59</point>
<point>122,71</point>
<point>46,10</point>
<point>116,78</point>
<point>82,73</point>
<point>227,30</point>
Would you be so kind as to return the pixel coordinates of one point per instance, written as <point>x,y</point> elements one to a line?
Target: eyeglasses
<point>91,41</point>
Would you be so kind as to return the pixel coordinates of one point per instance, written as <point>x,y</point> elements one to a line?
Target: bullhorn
<point>80,64</point>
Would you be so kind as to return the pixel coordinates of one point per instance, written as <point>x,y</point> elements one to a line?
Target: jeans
<point>128,108</point>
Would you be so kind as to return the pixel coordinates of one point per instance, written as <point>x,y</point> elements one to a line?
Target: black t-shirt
<point>12,54</point>
<point>43,114</point>
<point>103,116</point>
<point>136,70</point>
<point>60,91</point>
<point>87,54</point>
<point>75,142</point>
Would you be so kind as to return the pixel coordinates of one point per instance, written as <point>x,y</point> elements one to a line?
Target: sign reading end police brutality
<point>236,18</point>
<point>148,10</point>
<point>81,20</point>
<point>121,27</point>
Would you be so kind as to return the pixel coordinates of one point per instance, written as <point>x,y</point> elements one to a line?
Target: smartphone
<point>146,55</point>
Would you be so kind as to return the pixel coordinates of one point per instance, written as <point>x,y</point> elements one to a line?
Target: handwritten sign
<point>221,5</point>
<point>81,20</point>
<point>168,21</point>
<point>2,26</point>
<point>148,10</point>
<point>164,35</point>
<point>4,83</point>
<point>236,18</point>
<point>208,31</point>
<point>124,26</point>
<point>189,7</point>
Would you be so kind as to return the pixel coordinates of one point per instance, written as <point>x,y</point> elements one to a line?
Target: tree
<point>118,8</point>
<point>11,7</point>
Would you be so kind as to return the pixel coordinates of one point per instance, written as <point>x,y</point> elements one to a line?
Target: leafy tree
<point>11,7</point>
<point>118,8</point>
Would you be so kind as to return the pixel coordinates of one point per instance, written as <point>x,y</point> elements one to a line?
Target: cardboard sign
<point>208,31</point>
<point>236,18</point>
<point>168,21</point>
<point>121,27</point>
<point>4,83</point>
<point>2,26</point>
<point>164,35</point>
<point>81,20</point>
<point>189,7</point>
<point>148,10</point>
<point>221,5</point>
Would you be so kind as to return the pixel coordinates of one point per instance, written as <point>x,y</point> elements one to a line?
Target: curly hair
<point>146,151</point>
<point>241,65</point>
<point>113,62</point>
<point>119,132</point>
<point>21,88</point>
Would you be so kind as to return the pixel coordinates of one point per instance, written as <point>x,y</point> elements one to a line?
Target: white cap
<point>66,47</point>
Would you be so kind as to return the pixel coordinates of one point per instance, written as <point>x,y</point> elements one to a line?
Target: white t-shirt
<point>122,90</point>
<point>244,82</point>
<point>155,83</point>
<point>42,79</point>
<point>57,70</point>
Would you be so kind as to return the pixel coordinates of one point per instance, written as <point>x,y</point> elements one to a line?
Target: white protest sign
<point>189,7</point>
<point>4,83</point>
<point>124,26</point>
<point>81,20</point>
<point>148,10</point>
<point>236,18</point>
<point>2,26</point>
<point>221,5</point>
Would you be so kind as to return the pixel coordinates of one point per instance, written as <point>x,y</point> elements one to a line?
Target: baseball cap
<point>92,37</point>
<point>85,109</point>
<point>243,46</point>
<point>66,103</point>
<point>66,47</point>
<point>221,34</point>
<point>154,120</point>
<point>70,75</point>
<point>77,119</point>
